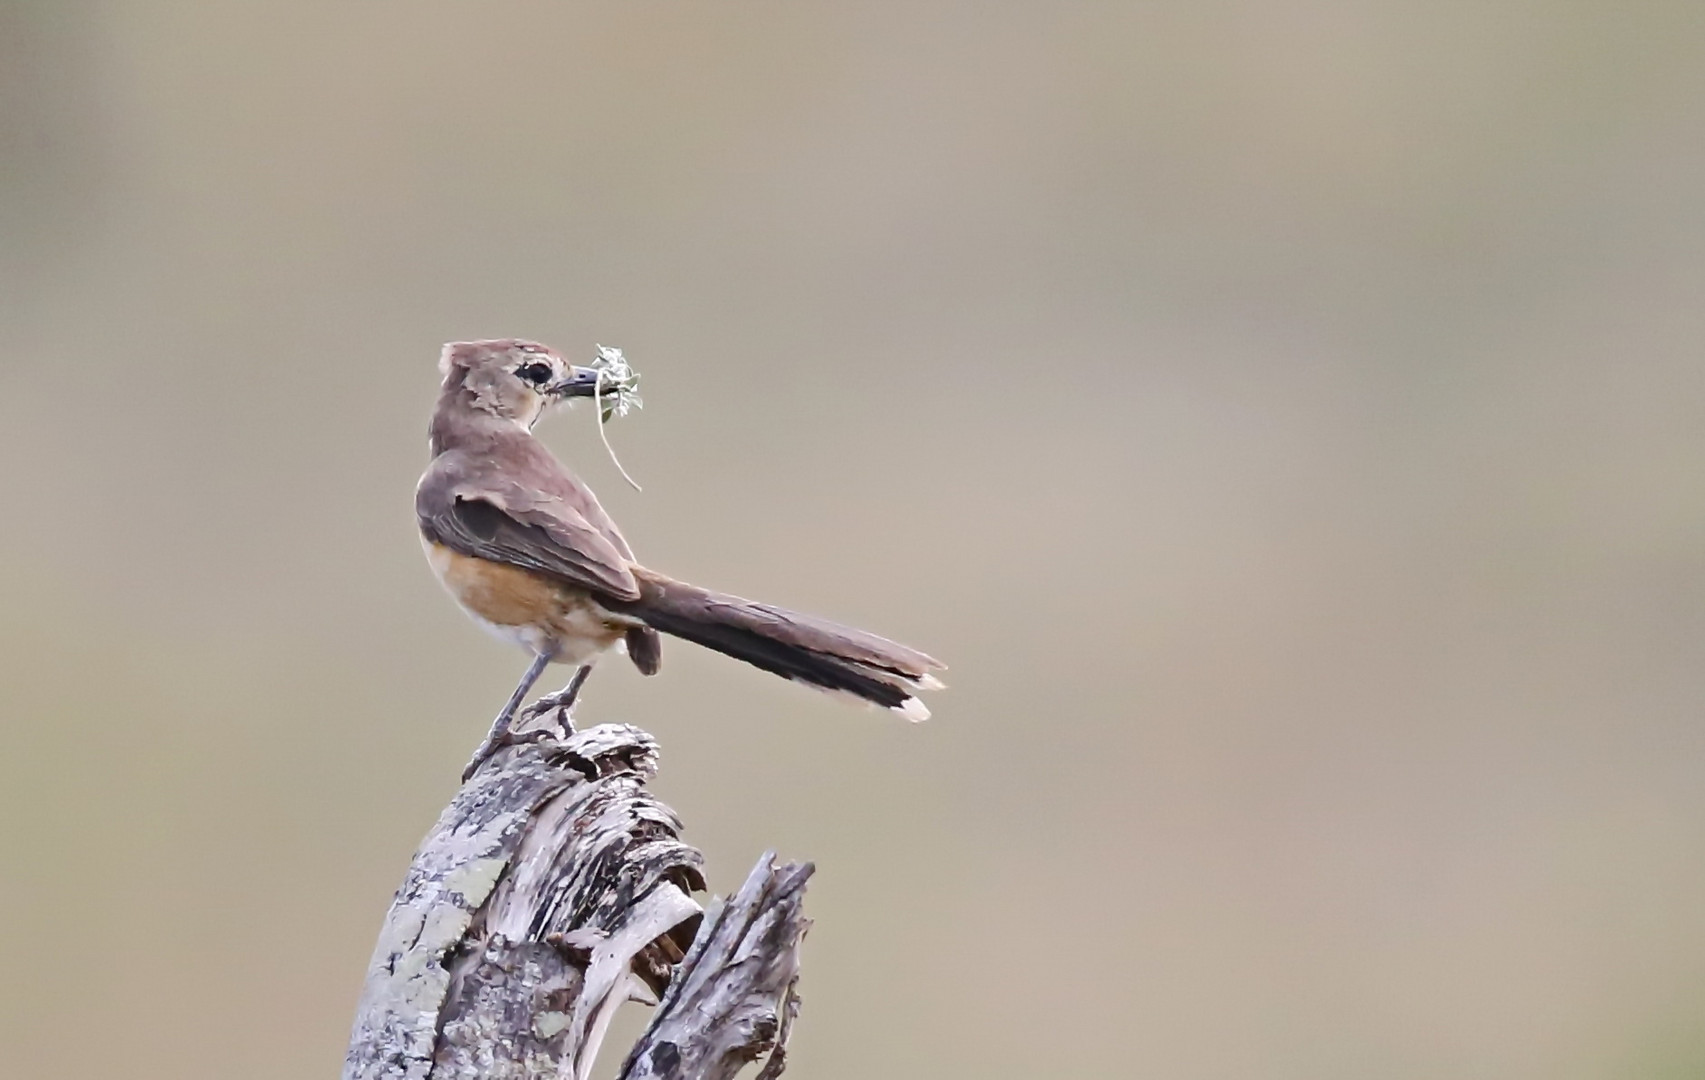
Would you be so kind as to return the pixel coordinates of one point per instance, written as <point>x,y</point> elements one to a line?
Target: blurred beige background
<point>1288,419</point>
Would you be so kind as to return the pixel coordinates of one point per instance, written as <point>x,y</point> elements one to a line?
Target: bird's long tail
<point>821,654</point>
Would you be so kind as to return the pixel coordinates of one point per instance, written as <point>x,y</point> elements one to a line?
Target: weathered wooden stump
<point>554,888</point>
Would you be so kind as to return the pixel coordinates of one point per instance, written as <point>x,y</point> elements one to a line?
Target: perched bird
<point>527,551</point>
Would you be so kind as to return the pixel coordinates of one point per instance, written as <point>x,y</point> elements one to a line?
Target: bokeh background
<point>1288,420</point>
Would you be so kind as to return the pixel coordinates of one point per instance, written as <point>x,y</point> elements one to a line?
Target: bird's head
<point>512,379</point>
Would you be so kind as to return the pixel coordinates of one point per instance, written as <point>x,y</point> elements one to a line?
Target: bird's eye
<point>537,374</point>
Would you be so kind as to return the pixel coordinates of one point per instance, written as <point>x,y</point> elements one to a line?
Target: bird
<point>525,548</point>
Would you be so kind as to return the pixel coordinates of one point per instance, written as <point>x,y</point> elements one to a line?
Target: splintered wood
<point>551,890</point>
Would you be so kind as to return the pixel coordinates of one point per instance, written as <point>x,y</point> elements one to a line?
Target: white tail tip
<point>912,709</point>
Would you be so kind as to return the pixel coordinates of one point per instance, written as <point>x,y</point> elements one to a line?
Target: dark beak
<point>581,382</point>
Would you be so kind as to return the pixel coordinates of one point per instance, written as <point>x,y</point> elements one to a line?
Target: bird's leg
<point>562,700</point>
<point>499,734</point>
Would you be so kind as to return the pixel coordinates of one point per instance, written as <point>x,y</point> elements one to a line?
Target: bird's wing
<point>582,501</point>
<point>477,512</point>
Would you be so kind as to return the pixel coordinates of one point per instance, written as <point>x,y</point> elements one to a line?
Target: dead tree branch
<point>733,998</point>
<point>552,889</point>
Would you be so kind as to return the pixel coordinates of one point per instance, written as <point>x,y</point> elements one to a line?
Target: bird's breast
<point>536,612</point>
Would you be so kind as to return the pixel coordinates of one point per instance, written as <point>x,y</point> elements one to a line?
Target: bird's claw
<point>502,731</point>
<point>561,702</point>
<point>498,741</point>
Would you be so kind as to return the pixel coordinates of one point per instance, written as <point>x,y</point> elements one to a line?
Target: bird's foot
<point>502,733</point>
<point>490,745</point>
<point>499,737</point>
<point>560,702</point>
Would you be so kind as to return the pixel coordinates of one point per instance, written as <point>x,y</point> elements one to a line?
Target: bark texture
<point>734,998</point>
<point>552,889</point>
